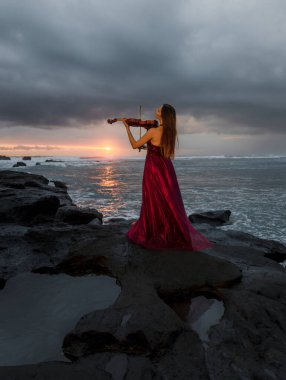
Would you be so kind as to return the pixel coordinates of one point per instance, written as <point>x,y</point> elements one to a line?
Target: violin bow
<point>140,126</point>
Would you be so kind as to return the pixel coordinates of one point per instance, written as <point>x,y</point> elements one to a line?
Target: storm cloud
<point>74,63</point>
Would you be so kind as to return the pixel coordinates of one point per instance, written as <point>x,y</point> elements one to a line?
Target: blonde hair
<point>169,134</point>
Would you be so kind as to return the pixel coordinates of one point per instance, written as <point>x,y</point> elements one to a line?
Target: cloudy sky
<point>66,66</point>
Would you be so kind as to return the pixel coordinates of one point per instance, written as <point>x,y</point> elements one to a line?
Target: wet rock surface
<point>144,334</point>
<point>214,218</point>
<point>19,163</point>
<point>29,199</point>
<point>74,215</point>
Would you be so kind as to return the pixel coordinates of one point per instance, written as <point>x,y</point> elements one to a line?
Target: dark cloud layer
<point>70,62</point>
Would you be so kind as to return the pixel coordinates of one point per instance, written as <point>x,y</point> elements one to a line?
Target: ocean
<point>252,188</point>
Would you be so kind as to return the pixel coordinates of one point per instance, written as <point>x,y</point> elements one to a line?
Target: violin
<point>137,122</point>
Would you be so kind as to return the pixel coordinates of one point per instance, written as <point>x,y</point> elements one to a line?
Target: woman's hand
<point>124,121</point>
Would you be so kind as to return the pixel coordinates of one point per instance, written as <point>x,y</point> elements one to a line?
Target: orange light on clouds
<point>21,150</point>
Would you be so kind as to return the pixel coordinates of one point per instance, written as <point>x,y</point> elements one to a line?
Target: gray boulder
<point>28,199</point>
<point>52,160</point>
<point>214,218</point>
<point>60,184</point>
<point>76,215</point>
<point>19,163</point>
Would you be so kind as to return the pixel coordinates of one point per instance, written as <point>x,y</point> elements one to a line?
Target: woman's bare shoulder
<point>158,130</point>
<point>157,134</point>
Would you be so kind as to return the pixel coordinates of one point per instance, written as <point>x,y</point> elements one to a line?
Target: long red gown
<point>163,222</point>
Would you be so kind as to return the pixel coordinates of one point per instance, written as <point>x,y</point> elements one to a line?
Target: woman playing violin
<point>159,136</point>
<point>163,222</point>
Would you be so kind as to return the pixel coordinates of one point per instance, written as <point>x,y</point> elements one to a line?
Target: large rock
<point>52,160</point>
<point>76,215</point>
<point>19,163</point>
<point>149,281</point>
<point>214,218</point>
<point>28,198</point>
<point>58,183</point>
<point>146,334</point>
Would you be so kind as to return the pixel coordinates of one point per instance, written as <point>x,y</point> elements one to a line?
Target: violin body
<point>137,122</point>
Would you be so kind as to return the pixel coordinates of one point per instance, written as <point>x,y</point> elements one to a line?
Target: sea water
<point>252,188</point>
<point>38,310</point>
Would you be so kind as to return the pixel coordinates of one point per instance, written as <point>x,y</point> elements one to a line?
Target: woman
<point>163,222</point>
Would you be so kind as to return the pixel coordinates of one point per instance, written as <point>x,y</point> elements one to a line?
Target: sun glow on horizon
<point>49,149</point>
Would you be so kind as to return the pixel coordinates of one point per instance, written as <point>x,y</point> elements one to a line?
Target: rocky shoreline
<point>26,158</point>
<point>145,333</point>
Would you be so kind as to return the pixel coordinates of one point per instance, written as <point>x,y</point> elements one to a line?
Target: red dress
<point>163,222</point>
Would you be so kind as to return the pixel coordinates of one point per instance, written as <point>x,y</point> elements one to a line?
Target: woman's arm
<point>137,144</point>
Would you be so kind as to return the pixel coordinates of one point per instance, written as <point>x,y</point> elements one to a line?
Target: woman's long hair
<point>169,135</point>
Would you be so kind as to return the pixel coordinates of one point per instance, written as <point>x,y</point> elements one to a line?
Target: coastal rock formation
<point>19,163</point>
<point>146,333</point>
<point>4,157</point>
<point>52,160</point>
<point>74,215</point>
<point>59,184</point>
<point>29,199</point>
<point>214,218</point>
